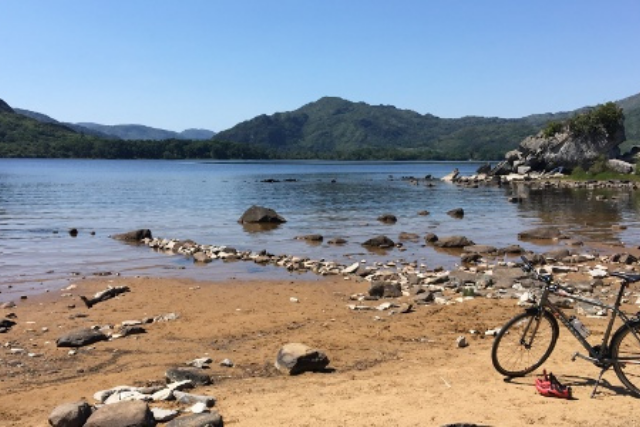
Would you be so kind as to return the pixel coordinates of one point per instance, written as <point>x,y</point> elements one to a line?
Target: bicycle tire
<point>625,346</point>
<point>511,347</point>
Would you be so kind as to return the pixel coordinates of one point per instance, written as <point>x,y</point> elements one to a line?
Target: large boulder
<point>132,413</point>
<point>296,358</point>
<point>134,236</point>
<point>258,214</point>
<point>70,414</point>
<point>80,338</point>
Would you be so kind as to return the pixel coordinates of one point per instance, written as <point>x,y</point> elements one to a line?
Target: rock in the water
<point>197,376</point>
<point>388,218</point>
<point>380,242</point>
<point>456,213</point>
<point>70,414</point>
<point>259,214</point>
<point>80,338</point>
<point>541,233</point>
<point>337,241</point>
<point>453,242</point>
<point>134,236</point>
<point>296,358</point>
<point>480,249</point>
<point>212,419</point>
<point>430,238</point>
<point>132,413</point>
<point>311,237</point>
<point>452,177</point>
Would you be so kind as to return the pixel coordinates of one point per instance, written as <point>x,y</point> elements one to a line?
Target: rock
<point>469,258</point>
<point>134,236</point>
<point>73,232</point>
<point>296,358</point>
<point>124,395</point>
<point>227,363</point>
<point>388,218</point>
<point>461,342</point>
<point>311,237</point>
<point>620,166</point>
<point>385,290</point>
<point>480,249</point>
<point>259,214</point>
<point>198,408</point>
<point>201,363</point>
<point>190,399</point>
<point>423,213</point>
<point>568,149</point>
<point>80,338</point>
<point>380,242</point>
<point>70,414</point>
<point>424,298</point>
<point>453,242</point>
<point>456,213</point>
<point>162,395</point>
<point>196,376</point>
<point>212,419</point>
<point>6,324</point>
<point>541,233</point>
<point>430,238</point>
<point>337,241</point>
<point>408,236</point>
<point>451,177</point>
<point>202,257</point>
<point>351,269</point>
<point>163,415</point>
<point>130,414</point>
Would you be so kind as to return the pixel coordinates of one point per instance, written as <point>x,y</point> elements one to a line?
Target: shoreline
<point>388,367</point>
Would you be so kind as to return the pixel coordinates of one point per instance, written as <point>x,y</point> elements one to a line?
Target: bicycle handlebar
<point>554,287</point>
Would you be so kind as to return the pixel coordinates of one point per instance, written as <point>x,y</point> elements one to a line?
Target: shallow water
<point>40,200</point>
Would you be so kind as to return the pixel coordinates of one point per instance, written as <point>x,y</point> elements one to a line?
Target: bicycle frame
<point>597,354</point>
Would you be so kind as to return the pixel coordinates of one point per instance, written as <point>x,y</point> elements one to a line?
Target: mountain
<point>335,125</point>
<point>43,118</point>
<point>140,132</point>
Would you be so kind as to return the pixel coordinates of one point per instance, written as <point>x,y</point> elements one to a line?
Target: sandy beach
<point>386,369</point>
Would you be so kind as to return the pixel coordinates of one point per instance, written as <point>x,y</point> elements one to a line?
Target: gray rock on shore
<point>70,414</point>
<point>380,242</point>
<point>132,413</point>
<point>296,358</point>
<point>80,338</point>
<point>212,419</point>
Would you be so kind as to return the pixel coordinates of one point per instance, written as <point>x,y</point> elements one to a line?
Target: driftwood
<point>104,295</point>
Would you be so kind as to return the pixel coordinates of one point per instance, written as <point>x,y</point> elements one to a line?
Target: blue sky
<point>212,64</point>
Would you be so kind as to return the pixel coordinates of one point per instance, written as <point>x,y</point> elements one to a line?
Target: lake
<point>41,199</point>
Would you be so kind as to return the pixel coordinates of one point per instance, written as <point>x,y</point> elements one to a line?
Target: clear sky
<point>212,63</point>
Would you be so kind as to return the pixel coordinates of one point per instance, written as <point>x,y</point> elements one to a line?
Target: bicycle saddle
<point>631,278</point>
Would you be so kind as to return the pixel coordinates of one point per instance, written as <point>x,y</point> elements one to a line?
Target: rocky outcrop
<point>566,148</point>
<point>80,338</point>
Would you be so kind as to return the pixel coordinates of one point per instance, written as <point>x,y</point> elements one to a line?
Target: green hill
<point>355,130</point>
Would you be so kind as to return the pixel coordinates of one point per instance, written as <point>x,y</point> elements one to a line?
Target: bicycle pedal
<point>575,356</point>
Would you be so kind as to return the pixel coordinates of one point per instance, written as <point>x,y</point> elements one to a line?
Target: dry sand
<point>398,370</point>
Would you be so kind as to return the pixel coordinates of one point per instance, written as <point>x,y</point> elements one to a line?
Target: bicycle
<point>525,342</point>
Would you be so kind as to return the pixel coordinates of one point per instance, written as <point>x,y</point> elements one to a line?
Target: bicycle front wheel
<point>524,343</point>
<point>625,353</point>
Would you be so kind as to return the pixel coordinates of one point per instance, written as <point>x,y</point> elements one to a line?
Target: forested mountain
<point>359,130</point>
<point>330,128</point>
<point>141,132</point>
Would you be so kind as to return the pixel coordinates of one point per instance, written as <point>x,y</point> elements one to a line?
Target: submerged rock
<point>260,214</point>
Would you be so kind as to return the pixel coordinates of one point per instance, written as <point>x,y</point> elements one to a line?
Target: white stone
<point>163,415</point>
<point>351,269</point>
<point>162,395</point>
<point>199,408</point>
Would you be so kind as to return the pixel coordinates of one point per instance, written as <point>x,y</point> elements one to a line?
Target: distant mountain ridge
<point>141,132</point>
<point>126,132</point>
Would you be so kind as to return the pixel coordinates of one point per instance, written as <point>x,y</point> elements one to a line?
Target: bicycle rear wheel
<point>625,352</point>
<point>524,343</point>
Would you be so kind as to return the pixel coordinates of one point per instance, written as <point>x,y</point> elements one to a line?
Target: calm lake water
<point>40,200</point>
